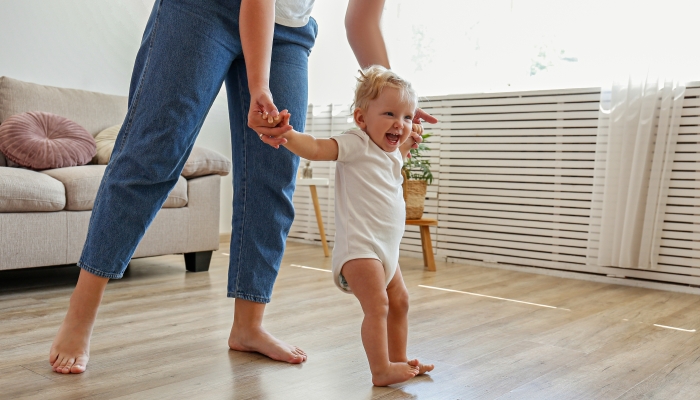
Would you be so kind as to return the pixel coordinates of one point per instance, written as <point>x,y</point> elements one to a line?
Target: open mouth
<point>393,139</point>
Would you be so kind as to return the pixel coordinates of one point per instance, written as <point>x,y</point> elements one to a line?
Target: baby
<point>370,214</point>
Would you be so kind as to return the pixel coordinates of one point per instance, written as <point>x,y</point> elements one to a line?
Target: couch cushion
<point>93,111</point>
<point>41,140</point>
<point>203,161</point>
<point>105,144</point>
<point>22,190</point>
<point>82,183</point>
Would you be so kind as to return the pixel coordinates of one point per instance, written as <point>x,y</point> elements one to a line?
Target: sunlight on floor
<point>305,267</point>
<point>493,297</point>
<point>677,329</point>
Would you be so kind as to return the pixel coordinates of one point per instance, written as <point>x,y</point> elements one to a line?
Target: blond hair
<point>374,79</point>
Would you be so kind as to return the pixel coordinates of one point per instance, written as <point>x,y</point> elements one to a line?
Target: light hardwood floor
<point>161,334</point>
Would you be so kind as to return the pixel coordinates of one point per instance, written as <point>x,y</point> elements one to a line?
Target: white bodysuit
<point>370,213</point>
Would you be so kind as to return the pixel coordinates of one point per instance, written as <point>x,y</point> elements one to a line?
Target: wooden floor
<point>161,334</point>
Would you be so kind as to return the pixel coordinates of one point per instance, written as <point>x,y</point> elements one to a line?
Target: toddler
<point>370,214</point>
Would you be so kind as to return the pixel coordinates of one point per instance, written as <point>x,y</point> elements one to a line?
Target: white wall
<point>91,45</point>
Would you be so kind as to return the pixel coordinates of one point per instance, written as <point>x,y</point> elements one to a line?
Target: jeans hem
<point>249,297</point>
<point>99,273</point>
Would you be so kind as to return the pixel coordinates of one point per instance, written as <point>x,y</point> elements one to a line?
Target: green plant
<point>417,165</point>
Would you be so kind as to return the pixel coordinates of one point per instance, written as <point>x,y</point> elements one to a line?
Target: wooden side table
<point>426,243</point>
<point>312,183</point>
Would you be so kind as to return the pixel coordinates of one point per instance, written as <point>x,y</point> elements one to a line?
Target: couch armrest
<point>203,204</point>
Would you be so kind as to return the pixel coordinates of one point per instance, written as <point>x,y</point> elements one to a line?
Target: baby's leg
<point>367,281</point>
<point>397,323</point>
<point>397,319</point>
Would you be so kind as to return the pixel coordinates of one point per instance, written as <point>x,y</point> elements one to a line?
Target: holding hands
<point>271,125</point>
<point>266,121</point>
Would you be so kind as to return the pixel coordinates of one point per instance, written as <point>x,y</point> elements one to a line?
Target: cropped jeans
<point>189,49</point>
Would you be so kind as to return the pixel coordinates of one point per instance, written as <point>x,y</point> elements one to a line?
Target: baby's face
<point>387,120</point>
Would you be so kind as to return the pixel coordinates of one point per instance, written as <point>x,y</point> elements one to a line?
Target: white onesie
<point>370,213</point>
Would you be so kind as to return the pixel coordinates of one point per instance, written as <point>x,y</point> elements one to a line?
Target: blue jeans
<point>189,48</point>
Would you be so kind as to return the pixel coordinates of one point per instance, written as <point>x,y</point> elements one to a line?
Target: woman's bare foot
<point>260,341</point>
<point>394,373</point>
<point>71,348</point>
<point>422,368</point>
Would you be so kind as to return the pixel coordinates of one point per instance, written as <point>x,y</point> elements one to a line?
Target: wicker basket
<point>414,196</point>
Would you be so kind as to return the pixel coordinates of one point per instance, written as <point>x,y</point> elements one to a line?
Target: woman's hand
<point>265,120</point>
<point>422,115</point>
<point>417,127</point>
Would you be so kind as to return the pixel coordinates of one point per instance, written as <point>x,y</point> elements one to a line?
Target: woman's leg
<point>264,182</point>
<point>366,279</point>
<point>186,51</point>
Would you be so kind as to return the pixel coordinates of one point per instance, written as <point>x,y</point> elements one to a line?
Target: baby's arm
<point>311,148</point>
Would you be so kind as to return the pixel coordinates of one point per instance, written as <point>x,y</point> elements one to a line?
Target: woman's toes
<point>60,364</point>
<point>67,367</point>
<point>77,369</point>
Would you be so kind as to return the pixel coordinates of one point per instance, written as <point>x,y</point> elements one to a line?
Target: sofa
<point>44,215</point>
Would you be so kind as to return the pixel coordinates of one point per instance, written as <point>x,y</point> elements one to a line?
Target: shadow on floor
<point>54,277</point>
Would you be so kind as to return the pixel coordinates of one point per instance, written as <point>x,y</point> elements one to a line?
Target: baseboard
<point>670,287</point>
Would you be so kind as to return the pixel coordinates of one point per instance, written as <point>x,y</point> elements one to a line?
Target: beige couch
<point>44,215</point>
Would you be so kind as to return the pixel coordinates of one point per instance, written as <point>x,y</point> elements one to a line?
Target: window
<point>466,46</point>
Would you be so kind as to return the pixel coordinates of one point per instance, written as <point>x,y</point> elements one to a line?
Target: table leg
<point>427,244</point>
<point>319,220</point>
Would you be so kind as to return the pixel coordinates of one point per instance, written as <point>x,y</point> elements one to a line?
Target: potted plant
<point>416,178</point>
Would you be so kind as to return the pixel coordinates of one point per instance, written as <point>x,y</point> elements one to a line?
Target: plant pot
<point>414,196</point>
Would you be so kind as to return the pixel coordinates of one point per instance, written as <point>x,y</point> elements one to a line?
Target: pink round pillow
<point>40,140</point>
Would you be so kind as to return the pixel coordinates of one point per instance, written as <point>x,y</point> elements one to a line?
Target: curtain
<point>638,126</point>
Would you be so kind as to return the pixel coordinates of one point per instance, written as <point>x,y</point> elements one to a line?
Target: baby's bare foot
<point>260,341</point>
<point>395,373</point>
<point>422,368</point>
<point>71,348</point>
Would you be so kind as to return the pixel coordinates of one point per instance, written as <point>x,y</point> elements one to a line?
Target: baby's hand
<point>416,135</point>
<point>281,119</point>
<point>261,104</point>
<point>412,141</point>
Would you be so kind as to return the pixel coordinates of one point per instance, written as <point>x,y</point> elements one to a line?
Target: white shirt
<point>370,213</point>
<point>293,13</point>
